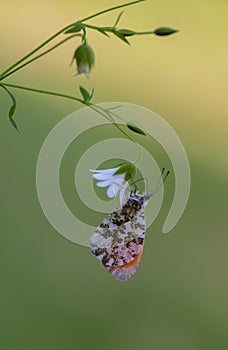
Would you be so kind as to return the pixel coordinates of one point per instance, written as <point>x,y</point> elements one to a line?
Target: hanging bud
<point>85,59</point>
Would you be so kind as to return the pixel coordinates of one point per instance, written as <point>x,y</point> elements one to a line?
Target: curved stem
<point>107,114</point>
<point>130,138</point>
<point>110,113</point>
<point>36,57</point>
<point>111,9</point>
<point>37,48</point>
<point>46,92</point>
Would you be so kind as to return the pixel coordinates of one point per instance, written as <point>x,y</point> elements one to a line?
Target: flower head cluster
<point>116,179</point>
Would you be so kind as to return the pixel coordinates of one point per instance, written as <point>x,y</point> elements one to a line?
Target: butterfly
<point>118,241</point>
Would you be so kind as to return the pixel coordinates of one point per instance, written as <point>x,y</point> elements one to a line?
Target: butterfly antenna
<point>133,183</point>
<point>161,180</point>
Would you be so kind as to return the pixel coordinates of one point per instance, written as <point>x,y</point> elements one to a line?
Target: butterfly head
<point>136,198</point>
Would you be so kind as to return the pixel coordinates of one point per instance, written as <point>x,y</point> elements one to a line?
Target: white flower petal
<point>105,183</point>
<point>114,188</point>
<point>118,176</point>
<point>99,176</point>
<point>106,178</point>
<point>103,174</point>
<point>110,192</point>
<point>122,192</point>
<point>105,171</point>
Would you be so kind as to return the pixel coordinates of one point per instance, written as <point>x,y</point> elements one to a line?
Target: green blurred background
<point>53,293</point>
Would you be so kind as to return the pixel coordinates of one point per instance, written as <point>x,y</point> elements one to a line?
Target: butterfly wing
<point>118,241</point>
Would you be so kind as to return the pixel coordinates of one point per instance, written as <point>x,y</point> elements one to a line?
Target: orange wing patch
<point>124,272</point>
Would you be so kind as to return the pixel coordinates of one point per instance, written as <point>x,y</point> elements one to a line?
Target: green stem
<point>60,32</point>
<point>144,33</point>
<point>107,114</point>
<point>104,112</point>
<point>130,138</point>
<point>37,48</point>
<point>107,29</point>
<point>110,113</point>
<point>113,29</point>
<point>42,54</point>
<point>59,94</point>
<point>111,9</point>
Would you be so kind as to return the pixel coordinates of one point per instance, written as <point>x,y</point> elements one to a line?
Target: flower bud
<point>163,31</point>
<point>85,59</point>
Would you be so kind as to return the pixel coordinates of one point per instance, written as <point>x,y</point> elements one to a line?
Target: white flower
<point>114,179</point>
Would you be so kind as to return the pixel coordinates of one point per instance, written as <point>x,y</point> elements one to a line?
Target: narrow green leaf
<point>163,31</point>
<point>75,29</point>
<point>11,113</point>
<point>91,95</point>
<point>118,18</point>
<point>13,123</point>
<point>102,31</point>
<point>136,129</point>
<point>130,174</point>
<point>85,94</point>
<point>121,36</point>
<point>12,108</point>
